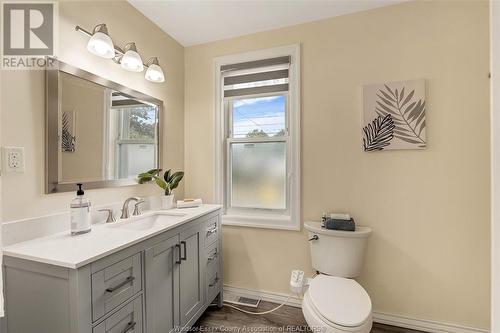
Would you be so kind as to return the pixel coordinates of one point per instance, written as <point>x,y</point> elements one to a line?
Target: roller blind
<point>256,77</point>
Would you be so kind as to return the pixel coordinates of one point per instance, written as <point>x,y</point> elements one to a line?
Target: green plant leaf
<point>166,176</point>
<point>176,179</point>
<point>154,171</point>
<point>144,177</point>
<point>160,182</point>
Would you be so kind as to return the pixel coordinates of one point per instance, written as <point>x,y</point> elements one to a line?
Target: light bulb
<point>131,60</point>
<point>100,43</point>
<point>155,73</point>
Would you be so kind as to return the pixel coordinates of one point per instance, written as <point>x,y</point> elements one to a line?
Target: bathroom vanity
<point>153,273</point>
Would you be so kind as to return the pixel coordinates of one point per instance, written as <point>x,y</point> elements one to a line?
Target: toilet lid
<point>339,300</point>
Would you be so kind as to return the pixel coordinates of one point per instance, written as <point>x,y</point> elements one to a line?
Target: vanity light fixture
<point>154,73</point>
<point>131,60</point>
<point>101,44</point>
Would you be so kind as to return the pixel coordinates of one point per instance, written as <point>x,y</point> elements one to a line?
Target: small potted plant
<point>168,183</point>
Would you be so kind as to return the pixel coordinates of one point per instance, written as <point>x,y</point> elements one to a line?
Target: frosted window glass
<point>258,175</point>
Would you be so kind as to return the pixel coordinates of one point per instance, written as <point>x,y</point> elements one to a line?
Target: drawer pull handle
<point>177,246</point>
<point>127,280</point>
<point>183,243</point>
<point>214,283</point>
<point>211,231</point>
<point>130,326</point>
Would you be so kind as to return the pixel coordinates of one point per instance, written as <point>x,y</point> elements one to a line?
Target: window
<point>132,133</point>
<point>257,151</point>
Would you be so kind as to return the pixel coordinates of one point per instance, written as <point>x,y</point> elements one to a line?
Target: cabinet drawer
<point>126,320</point>
<point>211,231</point>
<point>213,253</point>
<point>213,283</point>
<point>116,284</point>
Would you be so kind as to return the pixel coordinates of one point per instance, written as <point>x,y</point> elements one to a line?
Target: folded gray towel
<point>345,225</point>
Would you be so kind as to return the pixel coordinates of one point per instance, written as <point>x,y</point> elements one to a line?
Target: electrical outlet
<point>13,159</point>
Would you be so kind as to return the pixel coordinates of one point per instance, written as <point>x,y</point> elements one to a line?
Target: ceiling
<point>193,22</point>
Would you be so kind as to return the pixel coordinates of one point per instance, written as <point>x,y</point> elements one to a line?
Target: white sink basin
<point>148,222</point>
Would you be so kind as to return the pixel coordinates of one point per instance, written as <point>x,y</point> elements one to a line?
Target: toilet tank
<point>335,252</point>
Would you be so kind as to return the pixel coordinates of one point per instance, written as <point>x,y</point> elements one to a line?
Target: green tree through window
<point>142,123</point>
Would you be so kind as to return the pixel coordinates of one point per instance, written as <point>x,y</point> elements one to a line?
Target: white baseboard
<point>264,295</point>
<point>378,317</point>
<point>423,324</point>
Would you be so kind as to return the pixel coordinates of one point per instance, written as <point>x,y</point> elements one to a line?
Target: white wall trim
<point>423,324</point>
<point>378,317</point>
<point>267,296</point>
<point>294,125</point>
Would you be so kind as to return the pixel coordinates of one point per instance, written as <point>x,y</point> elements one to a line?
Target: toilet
<point>334,302</point>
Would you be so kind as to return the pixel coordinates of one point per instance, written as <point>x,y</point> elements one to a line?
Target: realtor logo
<point>28,29</point>
<point>28,34</point>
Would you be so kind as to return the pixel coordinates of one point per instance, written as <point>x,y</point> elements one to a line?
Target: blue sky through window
<point>262,115</point>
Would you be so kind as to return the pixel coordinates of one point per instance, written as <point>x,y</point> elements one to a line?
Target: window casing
<point>257,173</point>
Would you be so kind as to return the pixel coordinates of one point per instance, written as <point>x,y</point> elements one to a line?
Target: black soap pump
<point>81,220</point>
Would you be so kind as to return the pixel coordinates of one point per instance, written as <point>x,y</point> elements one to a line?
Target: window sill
<point>261,221</point>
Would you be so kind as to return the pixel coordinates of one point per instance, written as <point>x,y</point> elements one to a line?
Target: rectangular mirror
<point>98,132</point>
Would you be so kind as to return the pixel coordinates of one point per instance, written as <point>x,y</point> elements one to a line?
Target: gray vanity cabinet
<point>127,320</point>
<point>115,284</point>
<point>162,263</point>
<point>192,293</point>
<point>159,285</point>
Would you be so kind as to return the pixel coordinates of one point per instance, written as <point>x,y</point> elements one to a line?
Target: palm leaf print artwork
<point>67,136</point>
<point>405,103</point>
<point>379,133</point>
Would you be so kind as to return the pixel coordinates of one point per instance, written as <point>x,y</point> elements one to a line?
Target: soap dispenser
<point>80,213</point>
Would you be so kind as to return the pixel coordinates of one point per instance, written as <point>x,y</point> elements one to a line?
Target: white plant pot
<point>167,201</point>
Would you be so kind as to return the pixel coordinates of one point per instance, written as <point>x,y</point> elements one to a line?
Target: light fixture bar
<point>118,50</point>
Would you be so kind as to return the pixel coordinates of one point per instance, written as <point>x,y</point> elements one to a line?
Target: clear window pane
<point>138,123</point>
<point>258,117</point>
<point>258,178</point>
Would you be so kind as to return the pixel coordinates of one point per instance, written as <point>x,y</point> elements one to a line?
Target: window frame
<point>229,140</point>
<point>288,219</point>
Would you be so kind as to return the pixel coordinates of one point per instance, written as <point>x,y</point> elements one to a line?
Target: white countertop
<point>64,250</point>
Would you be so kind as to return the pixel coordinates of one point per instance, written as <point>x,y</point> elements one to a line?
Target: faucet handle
<point>136,207</point>
<point>110,217</point>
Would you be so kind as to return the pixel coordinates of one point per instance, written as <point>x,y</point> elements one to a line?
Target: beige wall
<point>23,98</point>
<point>429,254</point>
<point>88,101</point>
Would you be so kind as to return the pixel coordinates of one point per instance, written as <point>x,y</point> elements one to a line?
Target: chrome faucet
<point>125,214</point>
<point>110,218</point>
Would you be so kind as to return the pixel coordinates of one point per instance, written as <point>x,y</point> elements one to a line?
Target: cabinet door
<point>162,286</point>
<point>192,294</point>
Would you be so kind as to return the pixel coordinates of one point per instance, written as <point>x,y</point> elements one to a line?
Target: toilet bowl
<point>335,302</point>
<point>337,305</point>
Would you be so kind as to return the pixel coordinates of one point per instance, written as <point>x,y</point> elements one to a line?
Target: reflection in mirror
<point>104,136</point>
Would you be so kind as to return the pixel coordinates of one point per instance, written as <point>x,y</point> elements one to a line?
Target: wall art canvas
<point>394,116</point>
<point>68,135</point>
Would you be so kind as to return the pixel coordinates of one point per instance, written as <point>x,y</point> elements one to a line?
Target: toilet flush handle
<point>315,237</point>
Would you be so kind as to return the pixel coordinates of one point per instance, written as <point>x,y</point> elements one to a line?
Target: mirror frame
<point>52,146</point>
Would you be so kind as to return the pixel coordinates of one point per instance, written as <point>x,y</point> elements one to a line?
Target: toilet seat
<point>334,304</point>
